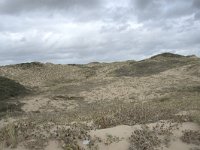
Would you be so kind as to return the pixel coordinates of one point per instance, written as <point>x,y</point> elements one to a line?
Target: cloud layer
<point>77,31</point>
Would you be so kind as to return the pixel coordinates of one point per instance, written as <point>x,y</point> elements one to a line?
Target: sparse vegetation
<point>191,137</point>
<point>136,113</point>
<point>148,138</point>
<point>111,139</point>
<point>157,95</point>
<point>144,139</point>
<point>70,136</point>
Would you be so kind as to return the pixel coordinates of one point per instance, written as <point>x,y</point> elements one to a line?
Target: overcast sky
<point>82,31</point>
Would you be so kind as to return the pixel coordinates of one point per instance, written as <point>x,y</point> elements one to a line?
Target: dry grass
<point>2,145</point>
<point>136,113</point>
<point>9,136</point>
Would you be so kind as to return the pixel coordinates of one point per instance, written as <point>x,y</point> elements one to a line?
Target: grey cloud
<point>196,3</point>
<point>163,9</point>
<point>197,16</point>
<point>17,6</point>
<point>110,46</point>
<point>144,4</point>
<point>81,31</point>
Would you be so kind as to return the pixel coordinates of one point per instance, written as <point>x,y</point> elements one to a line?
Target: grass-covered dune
<point>151,104</point>
<point>154,65</point>
<point>10,89</point>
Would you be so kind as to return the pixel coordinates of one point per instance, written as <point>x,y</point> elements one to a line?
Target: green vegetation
<point>168,55</point>
<point>10,89</point>
<point>148,67</point>
<point>30,65</point>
